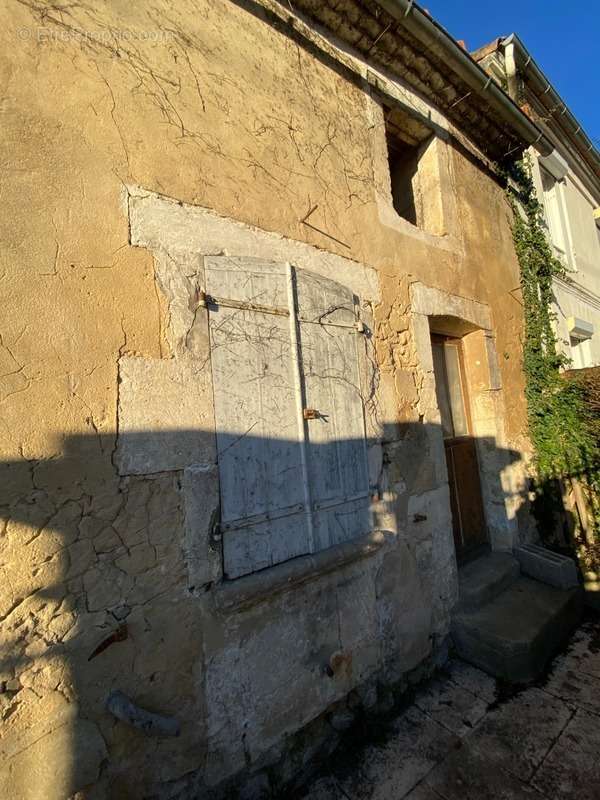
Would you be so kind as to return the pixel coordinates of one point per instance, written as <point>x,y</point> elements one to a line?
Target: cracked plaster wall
<point>224,113</point>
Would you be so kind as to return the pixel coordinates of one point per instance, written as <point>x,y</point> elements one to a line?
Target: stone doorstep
<point>515,633</point>
<point>481,580</point>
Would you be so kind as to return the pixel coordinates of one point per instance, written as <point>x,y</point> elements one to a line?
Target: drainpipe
<point>510,67</point>
<point>435,39</point>
<point>552,100</point>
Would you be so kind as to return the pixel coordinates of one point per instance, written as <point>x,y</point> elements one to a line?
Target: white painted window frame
<point>581,352</point>
<point>557,170</point>
<point>553,200</point>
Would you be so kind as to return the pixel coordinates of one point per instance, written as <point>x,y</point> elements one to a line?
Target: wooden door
<point>468,521</point>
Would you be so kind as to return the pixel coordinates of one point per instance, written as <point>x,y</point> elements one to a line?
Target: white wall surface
<point>571,303</point>
<point>571,207</point>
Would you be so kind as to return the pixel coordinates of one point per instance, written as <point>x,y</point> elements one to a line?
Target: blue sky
<point>563,37</point>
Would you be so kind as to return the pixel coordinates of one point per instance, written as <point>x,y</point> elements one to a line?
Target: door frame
<point>502,475</point>
<point>464,548</point>
<point>456,341</point>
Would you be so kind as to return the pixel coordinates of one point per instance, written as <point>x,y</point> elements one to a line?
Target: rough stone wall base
<point>289,766</point>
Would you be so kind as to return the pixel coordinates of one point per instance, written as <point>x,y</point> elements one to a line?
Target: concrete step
<point>514,635</point>
<point>544,565</point>
<point>486,577</point>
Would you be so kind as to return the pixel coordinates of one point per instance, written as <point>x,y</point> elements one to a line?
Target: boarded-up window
<point>286,351</point>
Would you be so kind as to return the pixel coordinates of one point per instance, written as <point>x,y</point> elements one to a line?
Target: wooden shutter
<point>330,344</point>
<point>282,340</point>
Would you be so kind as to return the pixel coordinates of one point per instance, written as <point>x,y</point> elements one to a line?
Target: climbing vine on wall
<point>561,428</point>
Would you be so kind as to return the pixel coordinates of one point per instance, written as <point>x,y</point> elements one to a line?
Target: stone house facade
<point>258,280</point>
<point>568,185</point>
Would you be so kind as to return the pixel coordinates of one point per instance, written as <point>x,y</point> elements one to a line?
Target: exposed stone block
<point>430,301</point>
<point>165,415</point>
<point>161,223</point>
<point>200,488</point>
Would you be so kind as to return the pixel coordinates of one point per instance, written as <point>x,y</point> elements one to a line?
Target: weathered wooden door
<point>468,520</point>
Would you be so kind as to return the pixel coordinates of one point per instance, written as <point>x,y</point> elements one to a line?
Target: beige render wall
<point>221,112</point>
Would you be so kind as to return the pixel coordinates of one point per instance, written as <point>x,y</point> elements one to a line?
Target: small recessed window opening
<point>407,139</point>
<point>403,159</point>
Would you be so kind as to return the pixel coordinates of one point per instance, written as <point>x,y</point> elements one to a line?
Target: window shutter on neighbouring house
<point>552,211</point>
<point>283,340</point>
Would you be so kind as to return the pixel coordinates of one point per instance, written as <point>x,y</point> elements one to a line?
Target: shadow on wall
<point>106,585</point>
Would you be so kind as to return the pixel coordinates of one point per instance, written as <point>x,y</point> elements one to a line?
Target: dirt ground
<point>466,736</point>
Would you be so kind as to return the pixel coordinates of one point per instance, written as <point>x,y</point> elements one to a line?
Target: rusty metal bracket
<point>310,413</point>
<point>201,299</point>
<point>304,221</point>
<point>118,635</point>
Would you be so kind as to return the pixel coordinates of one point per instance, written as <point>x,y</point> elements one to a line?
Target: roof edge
<point>434,37</point>
<point>577,135</point>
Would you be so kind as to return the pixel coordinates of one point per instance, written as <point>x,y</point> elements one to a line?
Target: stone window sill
<point>252,589</point>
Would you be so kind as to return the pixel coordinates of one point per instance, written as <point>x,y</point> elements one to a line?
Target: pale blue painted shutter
<point>283,339</point>
<point>261,476</point>
<point>331,342</point>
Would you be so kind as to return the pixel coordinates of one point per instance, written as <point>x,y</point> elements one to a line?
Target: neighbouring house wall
<point>577,197</point>
<point>570,303</point>
<point>578,296</point>
<point>167,134</point>
<point>586,242</point>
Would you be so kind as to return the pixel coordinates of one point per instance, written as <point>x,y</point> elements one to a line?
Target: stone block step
<point>515,634</point>
<point>544,565</point>
<point>485,578</point>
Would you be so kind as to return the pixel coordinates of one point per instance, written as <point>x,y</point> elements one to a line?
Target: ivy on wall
<point>561,426</point>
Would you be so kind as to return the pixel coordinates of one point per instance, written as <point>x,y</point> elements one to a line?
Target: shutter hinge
<point>215,529</point>
<point>311,413</point>
<point>201,299</point>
